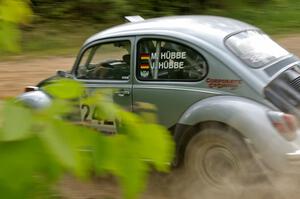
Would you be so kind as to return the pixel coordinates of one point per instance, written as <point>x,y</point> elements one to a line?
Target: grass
<point>64,38</point>
<point>53,39</point>
<point>275,18</point>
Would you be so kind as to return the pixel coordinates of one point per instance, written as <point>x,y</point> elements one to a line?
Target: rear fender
<point>247,117</point>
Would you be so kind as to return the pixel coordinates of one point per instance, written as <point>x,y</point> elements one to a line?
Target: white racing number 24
<point>89,117</point>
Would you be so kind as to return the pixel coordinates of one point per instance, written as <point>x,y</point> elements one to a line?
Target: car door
<point>171,75</point>
<point>106,65</point>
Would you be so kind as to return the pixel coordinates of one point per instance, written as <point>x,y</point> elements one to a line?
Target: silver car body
<point>244,107</point>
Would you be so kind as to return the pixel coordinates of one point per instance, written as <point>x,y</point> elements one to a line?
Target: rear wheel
<point>218,164</point>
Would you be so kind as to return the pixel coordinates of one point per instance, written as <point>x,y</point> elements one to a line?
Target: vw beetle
<point>223,88</point>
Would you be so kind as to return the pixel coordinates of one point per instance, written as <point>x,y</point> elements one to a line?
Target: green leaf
<point>20,161</point>
<point>59,108</point>
<point>103,102</point>
<point>108,154</point>
<point>12,13</point>
<point>147,111</point>
<point>57,139</point>
<point>78,149</point>
<point>9,36</point>
<point>15,11</point>
<point>65,89</point>
<point>134,183</point>
<point>158,138</point>
<point>17,122</point>
<point>116,155</point>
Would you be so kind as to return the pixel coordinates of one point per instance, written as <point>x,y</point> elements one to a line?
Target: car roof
<point>204,27</point>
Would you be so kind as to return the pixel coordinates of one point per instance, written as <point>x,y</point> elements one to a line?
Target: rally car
<point>223,88</point>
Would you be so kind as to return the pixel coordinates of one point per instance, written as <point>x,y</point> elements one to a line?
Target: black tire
<point>218,164</point>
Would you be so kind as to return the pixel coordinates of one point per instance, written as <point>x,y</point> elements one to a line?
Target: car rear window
<point>255,48</point>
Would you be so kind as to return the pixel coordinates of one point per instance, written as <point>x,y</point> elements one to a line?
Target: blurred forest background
<point>50,39</point>
<point>59,27</point>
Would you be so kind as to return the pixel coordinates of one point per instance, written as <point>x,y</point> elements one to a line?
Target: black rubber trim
<point>180,133</point>
<point>276,67</point>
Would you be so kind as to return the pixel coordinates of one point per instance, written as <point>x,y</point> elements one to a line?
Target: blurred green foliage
<point>37,147</point>
<point>103,10</point>
<point>268,14</point>
<point>59,27</point>
<point>12,14</point>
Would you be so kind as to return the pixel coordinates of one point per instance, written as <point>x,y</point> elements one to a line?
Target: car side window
<point>106,61</point>
<point>163,60</point>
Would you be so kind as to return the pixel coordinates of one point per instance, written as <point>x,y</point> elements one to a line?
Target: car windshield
<point>255,48</point>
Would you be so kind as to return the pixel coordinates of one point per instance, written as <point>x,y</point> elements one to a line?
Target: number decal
<point>95,114</point>
<point>90,117</point>
<point>86,111</point>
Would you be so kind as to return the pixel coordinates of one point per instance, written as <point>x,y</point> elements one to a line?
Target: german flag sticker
<point>144,66</point>
<point>145,56</point>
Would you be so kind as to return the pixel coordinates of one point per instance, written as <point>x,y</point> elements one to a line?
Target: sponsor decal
<point>166,60</point>
<point>144,66</point>
<point>144,73</point>
<point>125,77</point>
<point>223,83</point>
<point>169,55</point>
<point>169,65</point>
<point>145,56</point>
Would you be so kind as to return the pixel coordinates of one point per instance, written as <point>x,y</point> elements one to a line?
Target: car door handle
<point>122,93</point>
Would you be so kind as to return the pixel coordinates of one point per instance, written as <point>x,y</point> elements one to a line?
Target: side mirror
<point>65,74</point>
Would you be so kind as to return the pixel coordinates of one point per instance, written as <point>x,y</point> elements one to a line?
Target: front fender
<point>247,117</point>
<point>35,99</point>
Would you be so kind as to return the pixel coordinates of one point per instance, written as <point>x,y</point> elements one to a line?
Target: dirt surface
<point>291,43</point>
<point>107,188</point>
<point>18,73</point>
